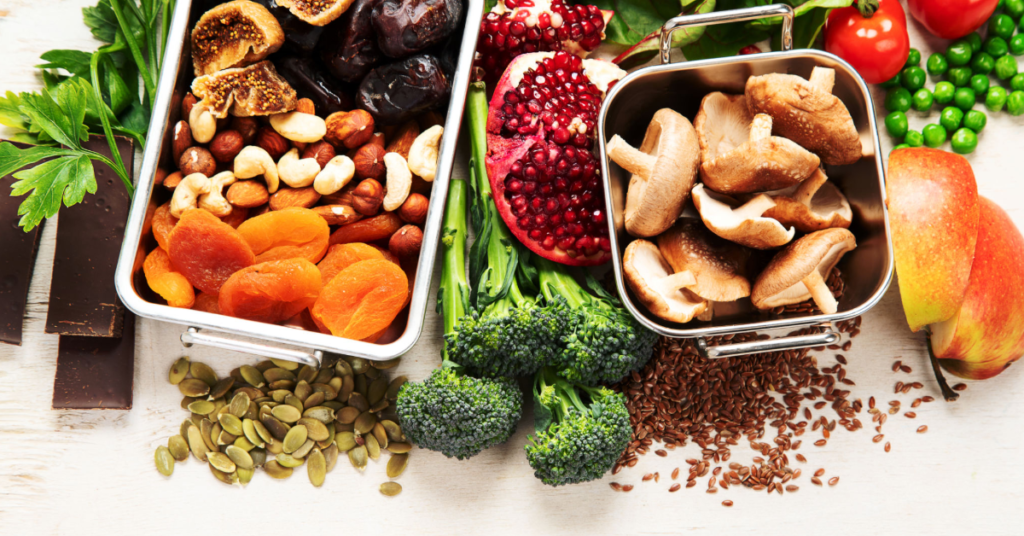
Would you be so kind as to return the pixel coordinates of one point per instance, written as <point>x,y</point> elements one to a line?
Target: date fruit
<point>405,27</point>
<point>397,92</point>
<point>350,48</point>
<point>299,36</point>
<point>309,81</point>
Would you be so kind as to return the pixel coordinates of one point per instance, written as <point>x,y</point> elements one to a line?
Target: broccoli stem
<point>454,289</point>
<point>556,281</point>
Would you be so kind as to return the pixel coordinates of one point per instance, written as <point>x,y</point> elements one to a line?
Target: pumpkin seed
<point>335,383</point>
<point>236,373</point>
<point>396,465</point>
<point>329,392</point>
<point>203,372</point>
<point>378,388</point>
<point>252,376</point>
<point>358,400</point>
<point>348,415</point>
<point>183,429</point>
<point>380,435</point>
<point>287,365</point>
<point>253,393</point>
<point>178,370</point>
<point>178,447</point>
<point>342,368</point>
<point>323,375</point>
<point>197,444</point>
<point>214,434</point>
<point>227,478</point>
<point>239,405</point>
<point>221,462</point>
<point>323,414</point>
<point>222,387</point>
<point>357,457</point>
<point>224,439</point>
<point>245,475</point>
<point>164,461</point>
<point>348,385</point>
<point>399,448</point>
<point>303,390</point>
<point>249,430</point>
<point>361,384</point>
<point>359,365</point>
<point>314,428</point>
<point>364,423</point>
<point>394,430</point>
<point>331,456</point>
<point>346,441</point>
<point>277,373</point>
<point>315,399</point>
<point>380,406</point>
<point>219,406</point>
<point>295,438</point>
<point>277,447</point>
<point>372,373</point>
<point>339,428</point>
<point>306,374</point>
<point>244,444</point>
<point>390,489</point>
<point>230,424</point>
<point>386,365</point>
<point>276,470</point>
<point>316,468</point>
<point>335,405</point>
<point>193,387</point>
<point>276,428</point>
<point>265,365</point>
<point>201,407</point>
<point>282,384</point>
<point>206,427</point>
<point>303,451</point>
<point>330,436</point>
<point>185,401</point>
<point>289,461</point>
<point>279,395</point>
<point>253,412</point>
<point>286,413</point>
<point>259,457</point>
<point>261,430</point>
<point>239,456</point>
<point>196,419</point>
<point>294,402</point>
<point>372,447</point>
<point>396,385</point>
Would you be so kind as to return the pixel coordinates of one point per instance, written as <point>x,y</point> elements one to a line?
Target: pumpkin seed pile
<point>280,415</point>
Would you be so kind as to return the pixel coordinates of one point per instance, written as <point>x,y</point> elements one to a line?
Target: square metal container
<point>867,270</point>
<point>301,346</point>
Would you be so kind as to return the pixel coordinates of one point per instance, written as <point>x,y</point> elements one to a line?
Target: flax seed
<point>887,446</point>
<point>801,458</point>
<point>922,429</point>
<point>960,387</point>
<point>910,415</point>
<point>820,443</point>
<point>833,481</point>
<point>906,369</point>
<point>627,488</point>
<point>648,476</point>
<point>727,503</point>
<point>674,488</point>
<point>616,486</point>
<point>896,366</point>
<point>927,399</point>
<point>675,473</point>
<point>815,480</point>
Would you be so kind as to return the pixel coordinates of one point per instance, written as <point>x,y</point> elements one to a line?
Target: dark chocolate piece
<point>17,258</point>
<point>96,372</point>
<point>83,300</point>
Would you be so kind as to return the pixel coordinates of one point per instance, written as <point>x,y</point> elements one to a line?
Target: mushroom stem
<point>678,281</point>
<point>867,146</point>
<point>761,127</point>
<point>820,293</point>
<point>631,159</point>
<point>755,207</point>
<point>709,313</point>
<point>824,78</point>
<point>805,192</point>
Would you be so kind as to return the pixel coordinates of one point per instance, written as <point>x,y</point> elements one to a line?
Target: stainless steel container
<point>305,346</point>
<point>867,271</point>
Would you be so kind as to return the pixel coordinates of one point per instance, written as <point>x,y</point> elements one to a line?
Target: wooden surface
<point>64,472</point>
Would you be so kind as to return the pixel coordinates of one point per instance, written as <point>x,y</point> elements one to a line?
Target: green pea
<point>951,118</point>
<point>964,141</point>
<point>995,99</point>
<point>1017,82</point>
<point>914,58</point>
<point>964,98</point>
<point>979,83</point>
<point>996,46</point>
<point>959,76</point>
<point>897,125</point>
<point>975,120</point>
<point>914,138</point>
<point>944,92</point>
<point>934,135</point>
<point>982,63</point>
<point>1017,44</point>
<point>959,53</point>
<point>1014,8</point>
<point>922,100</point>
<point>1006,67</point>
<point>901,146</point>
<point>1015,103</point>
<point>897,100</point>
<point>1001,25</point>
<point>937,64</point>
<point>913,78</point>
<point>974,40</point>
<point>892,82</point>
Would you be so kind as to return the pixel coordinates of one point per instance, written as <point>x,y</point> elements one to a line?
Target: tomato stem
<point>867,8</point>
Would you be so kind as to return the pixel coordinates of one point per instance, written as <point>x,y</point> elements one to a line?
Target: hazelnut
<point>349,129</point>
<point>305,106</point>
<point>187,103</point>
<point>247,127</point>
<point>367,197</point>
<point>341,197</point>
<point>247,194</point>
<point>226,145</point>
<point>273,143</point>
<point>197,160</point>
<point>369,161</point>
<point>182,139</point>
<point>406,241</point>
<point>172,180</point>
<point>322,151</point>
<point>414,210</point>
<point>377,139</point>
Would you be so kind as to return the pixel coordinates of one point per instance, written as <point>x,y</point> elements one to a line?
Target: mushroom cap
<point>781,282</point>
<point>645,270</point>
<point>807,113</point>
<point>655,199</point>
<point>811,206</point>
<point>741,224</point>
<point>719,266</point>
<point>737,160</point>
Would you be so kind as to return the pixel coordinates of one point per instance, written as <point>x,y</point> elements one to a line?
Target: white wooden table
<point>91,472</point>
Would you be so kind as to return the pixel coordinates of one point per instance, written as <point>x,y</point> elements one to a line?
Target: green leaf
<point>75,62</point>
<point>101,20</point>
<point>119,95</point>
<point>634,20</point>
<point>13,158</point>
<point>65,179</point>
<point>24,137</point>
<point>10,115</point>
<point>649,46</point>
<point>806,29</point>
<point>58,120</point>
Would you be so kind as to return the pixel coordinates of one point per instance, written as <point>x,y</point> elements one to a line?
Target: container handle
<point>771,345</point>
<point>721,17</point>
<point>192,336</point>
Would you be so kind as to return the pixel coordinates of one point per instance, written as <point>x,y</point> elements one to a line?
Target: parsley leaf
<point>62,179</point>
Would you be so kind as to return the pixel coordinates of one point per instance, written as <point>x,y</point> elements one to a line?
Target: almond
<point>182,139</point>
<point>172,180</point>
<point>248,127</point>
<point>226,145</point>
<point>322,151</point>
<point>187,103</point>
<point>247,194</point>
<point>402,141</point>
<point>338,214</point>
<point>305,106</point>
<point>294,197</point>
<point>273,143</point>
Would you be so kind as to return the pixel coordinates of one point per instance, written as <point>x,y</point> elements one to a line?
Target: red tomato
<point>876,46</point>
<point>952,19</point>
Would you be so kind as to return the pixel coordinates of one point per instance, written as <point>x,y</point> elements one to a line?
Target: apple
<point>987,334</point>
<point>933,213</point>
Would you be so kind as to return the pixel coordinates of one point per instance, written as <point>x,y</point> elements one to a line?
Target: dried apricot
<point>207,302</point>
<point>170,285</point>
<point>237,217</point>
<point>378,227</point>
<point>386,252</point>
<point>292,233</point>
<point>271,291</point>
<point>163,224</point>
<point>206,250</point>
<point>362,299</point>
<point>341,256</point>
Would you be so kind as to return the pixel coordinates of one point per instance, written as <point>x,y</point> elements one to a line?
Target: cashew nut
<point>399,181</point>
<point>254,161</point>
<point>186,195</point>
<point>202,123</point>
<point>423,153</point>
<point>214,202</point>
<point>335,175</point>
<point>297,126</point>
<point>296,172</point>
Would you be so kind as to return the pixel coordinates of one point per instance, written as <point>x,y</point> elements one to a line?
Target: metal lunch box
<point>308,347</point>
<point>867,271</point>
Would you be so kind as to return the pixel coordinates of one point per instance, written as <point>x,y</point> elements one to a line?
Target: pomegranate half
<point>517,27</point>
<point>541,163</point>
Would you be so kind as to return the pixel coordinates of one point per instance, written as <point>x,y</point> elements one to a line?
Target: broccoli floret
<point>576,441</point>
<point>602,342</point>
<point>452,412</point>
